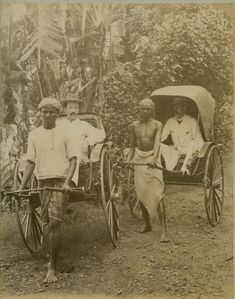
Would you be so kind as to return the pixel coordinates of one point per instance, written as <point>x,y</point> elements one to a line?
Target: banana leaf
<point>48,38</point>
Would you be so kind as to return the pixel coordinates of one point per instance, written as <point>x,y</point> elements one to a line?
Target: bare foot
<point>164,238</point>
<point>146,229</point>
<point>50,277</point>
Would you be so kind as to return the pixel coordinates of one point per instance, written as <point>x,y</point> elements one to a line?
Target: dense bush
<point>173,45</point>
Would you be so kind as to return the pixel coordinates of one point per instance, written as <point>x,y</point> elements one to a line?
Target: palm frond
<point>48,38</point>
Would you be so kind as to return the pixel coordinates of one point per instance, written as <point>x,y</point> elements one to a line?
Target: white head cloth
<point>49,102</point>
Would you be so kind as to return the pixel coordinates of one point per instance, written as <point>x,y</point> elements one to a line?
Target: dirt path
<point>197,263</point>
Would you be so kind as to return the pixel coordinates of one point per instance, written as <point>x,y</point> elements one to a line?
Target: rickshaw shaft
<point>145,164</point>
<point>46,189</point>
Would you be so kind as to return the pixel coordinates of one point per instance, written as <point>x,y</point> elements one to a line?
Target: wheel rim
<point>108,203</point>
<point>134,203</point>
<point>28,217</point>
<point>214,186</point>
<point>29,223</point>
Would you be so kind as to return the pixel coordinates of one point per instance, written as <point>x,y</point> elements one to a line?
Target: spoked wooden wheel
<point>134,203</point>
<point>107,194</point>
<point>28,211</point>
<point>214,185</point>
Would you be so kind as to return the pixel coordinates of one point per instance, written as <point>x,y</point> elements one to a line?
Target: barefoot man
<point>145,140</point>
<point>52,153</point>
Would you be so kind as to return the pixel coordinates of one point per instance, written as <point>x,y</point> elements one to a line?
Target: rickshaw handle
<point>44,188</point>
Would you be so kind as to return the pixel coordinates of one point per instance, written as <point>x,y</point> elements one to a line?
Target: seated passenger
<point>185,134</point>
<point>86,134</point>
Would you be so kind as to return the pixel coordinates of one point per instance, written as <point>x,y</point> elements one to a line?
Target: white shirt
<point>183,133</point>
<point>50,150</point>
<point>83,132</point>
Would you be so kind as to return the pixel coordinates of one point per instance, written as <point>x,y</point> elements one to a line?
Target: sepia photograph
<point>116,150</point>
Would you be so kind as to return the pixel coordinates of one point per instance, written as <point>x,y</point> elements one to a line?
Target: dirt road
<point>197,263</point>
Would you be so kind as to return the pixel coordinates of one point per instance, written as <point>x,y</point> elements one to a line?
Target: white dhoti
<point>149,183</point>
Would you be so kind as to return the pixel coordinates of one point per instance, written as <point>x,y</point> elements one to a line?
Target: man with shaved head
<point>52,152</point>
<point>145,140</point>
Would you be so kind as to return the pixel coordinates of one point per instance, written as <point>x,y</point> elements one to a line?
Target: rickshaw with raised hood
<point>206,169</point>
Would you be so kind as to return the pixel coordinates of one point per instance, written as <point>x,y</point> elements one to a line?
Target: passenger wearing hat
<point>145,140</point>
<point>185,134</point>
<point>52,153</point>
<point>85,134</point>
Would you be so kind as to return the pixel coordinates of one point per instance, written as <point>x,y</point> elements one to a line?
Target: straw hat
<point>71,98</point>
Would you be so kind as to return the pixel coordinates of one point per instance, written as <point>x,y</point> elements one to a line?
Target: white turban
<point>49,102</point>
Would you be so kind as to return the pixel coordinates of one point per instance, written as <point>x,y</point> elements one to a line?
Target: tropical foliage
<point>173,45</point>
<point>111,56</point>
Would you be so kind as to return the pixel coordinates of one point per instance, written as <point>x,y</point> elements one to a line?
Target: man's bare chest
<point>145,131</point>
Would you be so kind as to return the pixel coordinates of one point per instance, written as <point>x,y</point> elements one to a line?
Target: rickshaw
<point>98,184</point>
<point>206,170</point>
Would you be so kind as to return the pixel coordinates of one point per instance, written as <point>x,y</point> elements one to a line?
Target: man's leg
<point>189,153</point>
<point>55,217</point>
<point>170,156</point>
<point>162,218</point>
<point>54,239</point>
<point>147,227</point>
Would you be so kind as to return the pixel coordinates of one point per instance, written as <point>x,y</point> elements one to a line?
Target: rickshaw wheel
<point>108,202</point>
<point>214,185</point>
<point>28,214</point>
<point>134,203</point>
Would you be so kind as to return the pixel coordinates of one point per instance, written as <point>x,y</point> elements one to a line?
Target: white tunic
<point>186,137</point>
<point>51,150</point>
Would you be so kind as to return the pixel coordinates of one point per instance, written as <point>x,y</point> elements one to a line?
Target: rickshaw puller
<point>52,152</point>
<point>145,139</point>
